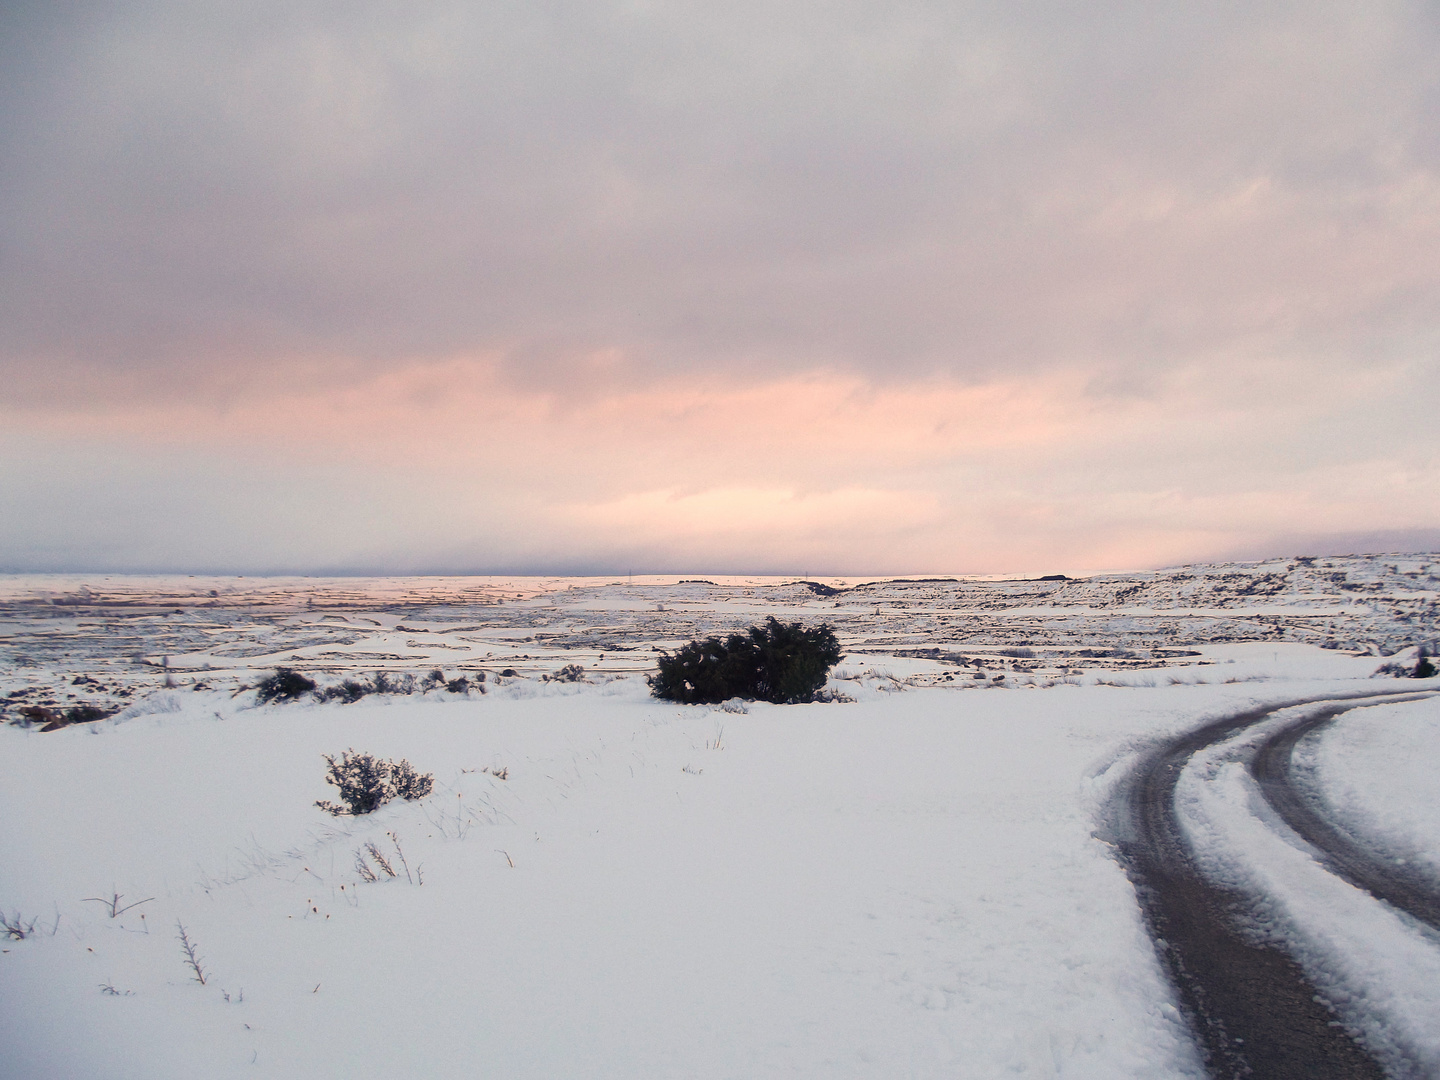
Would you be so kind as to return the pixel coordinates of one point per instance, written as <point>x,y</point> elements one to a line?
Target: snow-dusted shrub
<point>347,691</point>
<point>778,662</point>
<point>408,784</point>
<point>366,783</point>
<point>1424,667</point>
<point>284,685</point>
<point>568,673</point>
<point>383,683</point>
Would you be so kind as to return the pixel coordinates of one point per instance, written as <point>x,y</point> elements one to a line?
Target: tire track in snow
<point>1250,1006</point>
<point>1343,854</point>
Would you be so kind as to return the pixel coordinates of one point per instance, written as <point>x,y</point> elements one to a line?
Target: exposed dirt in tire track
<point>1252,1009</point>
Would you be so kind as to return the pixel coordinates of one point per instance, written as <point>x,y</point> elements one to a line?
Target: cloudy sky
<point>828,287</point>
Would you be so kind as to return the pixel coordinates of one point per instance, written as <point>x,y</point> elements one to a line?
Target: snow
<point>1377,967</point>
<point>901,887</point>
<point>907,885</point>
<point>1379,773</point>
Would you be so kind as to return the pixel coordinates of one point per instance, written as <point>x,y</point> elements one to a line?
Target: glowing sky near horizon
<point>817,287</point>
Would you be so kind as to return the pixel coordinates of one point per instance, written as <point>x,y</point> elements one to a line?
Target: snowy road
<point>1252,1006</point>
<point>1397,883</point>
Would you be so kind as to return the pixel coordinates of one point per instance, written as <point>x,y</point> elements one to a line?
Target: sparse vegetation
<point>16,927</point>
<point>366,783</point>
<point>288,686</point>
<point>382,862</point>
<point>113,903</point>
<point>347,692</point>
<point>408,784</point>
<point>284,685</point>
<point>1424,667</point>
<point>192,958</point>
<point>85,714</point>
<point>51,719</point>
<point>778,662</point>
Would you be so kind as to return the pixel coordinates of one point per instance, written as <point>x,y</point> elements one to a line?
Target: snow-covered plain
<point>907,885</point>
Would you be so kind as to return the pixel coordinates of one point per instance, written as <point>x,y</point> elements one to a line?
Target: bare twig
<point>192,959</point>
<point>507,857</point>
<point>379,857</point>
<point>15,927</point>
<point>363,868</point>
<point>396,841</point>
<point>114,903</point>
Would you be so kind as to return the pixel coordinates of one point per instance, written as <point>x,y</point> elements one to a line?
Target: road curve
<point>1250,1006</point>
<point>1342,854</point>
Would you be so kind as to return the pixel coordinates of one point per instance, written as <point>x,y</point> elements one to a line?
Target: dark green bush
<point>367,782</point>
<point>85,714</point>
<point>777,662</point>
<point>284,685</point>
<point>347,691</point>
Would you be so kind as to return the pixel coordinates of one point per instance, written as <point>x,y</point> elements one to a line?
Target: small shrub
<point>366,783</point>
<point>407,784</point>
<point>85,714</point>
<point>778,662</point>
<point>284,685</point>
<point>1424,668</point>
<point>569,673</point>
<point>348,692</point>
<point>384,684</point>
<point>363,781</point>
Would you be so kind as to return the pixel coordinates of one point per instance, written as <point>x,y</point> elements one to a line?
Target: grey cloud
<point>197,195</point>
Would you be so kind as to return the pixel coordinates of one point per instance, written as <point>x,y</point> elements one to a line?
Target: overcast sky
<point>834,288</point>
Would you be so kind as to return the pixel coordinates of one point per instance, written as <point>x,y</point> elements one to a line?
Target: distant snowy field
<point>909,885</point>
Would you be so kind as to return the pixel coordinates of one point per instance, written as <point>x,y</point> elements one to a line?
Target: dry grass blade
<point>15,927</point>
<point>380,860</point>
<point>192,959</point>
<point>114,903</point>
<point>396,841</point>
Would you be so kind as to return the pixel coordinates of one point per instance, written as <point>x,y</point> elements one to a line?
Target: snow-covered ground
<point>1379,773</point>
<point>902,887</point>
<point>604,885</point>
<point>1378,767</point>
